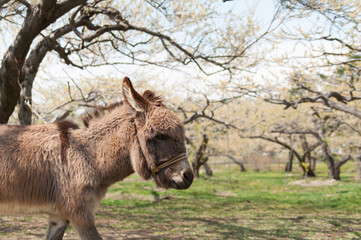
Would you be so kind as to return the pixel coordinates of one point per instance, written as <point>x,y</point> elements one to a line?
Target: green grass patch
<point>239,205</point>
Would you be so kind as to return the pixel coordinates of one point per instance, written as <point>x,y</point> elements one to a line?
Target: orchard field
<point>230,205</point>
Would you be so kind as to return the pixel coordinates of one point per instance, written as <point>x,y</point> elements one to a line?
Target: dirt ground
<point>313,183</point>
<point>31,228</point>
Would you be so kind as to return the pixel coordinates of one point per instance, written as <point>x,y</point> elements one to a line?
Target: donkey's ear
<point>132,97</point>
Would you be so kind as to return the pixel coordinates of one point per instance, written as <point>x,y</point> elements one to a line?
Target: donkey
<point>64,171</point>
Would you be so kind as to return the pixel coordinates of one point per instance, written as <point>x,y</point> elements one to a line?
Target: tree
<point>207,110</point>
<point>307,171</point>
<point>87,34</point>
<point>211,123</point>
<point>331,74</point>
<point>323,125</point>
<point>326,75</point>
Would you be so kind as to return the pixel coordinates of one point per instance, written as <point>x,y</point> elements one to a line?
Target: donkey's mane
<point>99,111</point>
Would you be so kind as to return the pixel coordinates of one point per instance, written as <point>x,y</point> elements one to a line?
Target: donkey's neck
<point>111,138</point>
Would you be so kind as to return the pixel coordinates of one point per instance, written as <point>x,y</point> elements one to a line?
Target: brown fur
<point>63,127</point>
<point>64,171</point>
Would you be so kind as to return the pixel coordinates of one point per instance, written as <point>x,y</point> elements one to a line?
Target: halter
<point>175,159</point>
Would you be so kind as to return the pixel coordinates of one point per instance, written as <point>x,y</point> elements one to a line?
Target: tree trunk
<point>311,163</point>
<point>9,86</point>
<point>332,174</point>
<point>197,164</point>
<point>337,174</point>
<point>195,168</point>
<point>209,171</point>
<point>358,158</point>
<point>289,164</point>
<point>25,101</point>
<point>200,159</point>
<point>310,173</point>
<point>338,166</point>
<point>330,164</point>
<point>29,71</point>
<point>243,169</point>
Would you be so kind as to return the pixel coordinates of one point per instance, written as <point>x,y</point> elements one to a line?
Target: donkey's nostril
<point>186,175</point>
<point>183,179</point>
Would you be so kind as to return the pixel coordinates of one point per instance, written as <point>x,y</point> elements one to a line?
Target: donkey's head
<point>159,147</point>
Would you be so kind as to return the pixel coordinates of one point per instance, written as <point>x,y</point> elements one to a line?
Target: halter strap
<point>175,159</point>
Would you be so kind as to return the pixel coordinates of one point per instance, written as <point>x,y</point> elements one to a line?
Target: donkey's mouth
<point>168,178</point>
<point>176,185</point>
<point>183,181</point>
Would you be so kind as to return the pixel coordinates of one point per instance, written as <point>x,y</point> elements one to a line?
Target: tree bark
<point>338,166</point>
<point>289,164</point>
<point>327,153</point>
<point>358,158</point>
<point>307,155</point>
<point>200,158</point>
<point>313,165</point>
<point>209,171</point>
<point>334,168</point>
<point>27,77</point>
<point>329,160</point>
<point>241,165</point>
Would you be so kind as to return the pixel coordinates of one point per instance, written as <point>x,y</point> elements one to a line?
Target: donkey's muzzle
<point>183,179</point>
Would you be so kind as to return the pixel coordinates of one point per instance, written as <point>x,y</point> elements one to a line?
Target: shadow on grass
<point>179,224</point>
<point>15,228</point>
<point>232,231</point>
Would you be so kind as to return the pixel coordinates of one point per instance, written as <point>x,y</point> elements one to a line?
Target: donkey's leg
<point>56,228</point>
<point>88,231</point>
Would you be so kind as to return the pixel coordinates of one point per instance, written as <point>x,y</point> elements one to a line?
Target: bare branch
<point>343,161</point>
<point>323,98</point>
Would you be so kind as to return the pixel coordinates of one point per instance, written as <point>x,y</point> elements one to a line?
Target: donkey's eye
<point>161,137</point>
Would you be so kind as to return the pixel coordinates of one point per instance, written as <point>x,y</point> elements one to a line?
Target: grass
<point>239,206</point>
